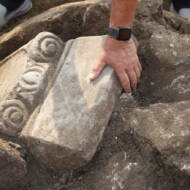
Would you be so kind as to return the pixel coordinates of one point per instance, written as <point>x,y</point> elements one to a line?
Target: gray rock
<point>96,13</point>
<point>149,10</point>
<point>71,122</point>
<point>177,22</point>
<point>24,78</point>
<point>167,4</point>
<point>124,161</point>
<point>13,168</point>
<point>167,68</point>
<point>128,170</point>
<point>167,127</point>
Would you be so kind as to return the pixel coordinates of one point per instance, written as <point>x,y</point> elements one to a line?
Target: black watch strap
<point>113,32</point>
<point>121,33</point>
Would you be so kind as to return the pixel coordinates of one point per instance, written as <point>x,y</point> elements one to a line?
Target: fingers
<point>133,76</point>
<point>129,78</point>
<point>97,70</point>
<point>139,66</point>
<point>124,79</point>
<point>133,79</point>
<point>138,73</point>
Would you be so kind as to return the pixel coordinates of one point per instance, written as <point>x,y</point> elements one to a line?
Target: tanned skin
<point>120,55</point>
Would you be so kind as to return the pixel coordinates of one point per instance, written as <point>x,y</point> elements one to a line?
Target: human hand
<point>122,57</point>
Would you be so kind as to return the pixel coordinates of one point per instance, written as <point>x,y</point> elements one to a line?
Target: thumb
<point>98,68</point>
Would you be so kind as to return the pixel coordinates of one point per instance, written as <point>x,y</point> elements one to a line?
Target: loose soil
<point>38,7</point>
<point>114,140</point>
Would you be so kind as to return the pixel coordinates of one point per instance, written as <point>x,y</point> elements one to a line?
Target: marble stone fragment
<point>13,167</point>
<point>11,69</point>
<point>24,77</point>
<point>67,129</point>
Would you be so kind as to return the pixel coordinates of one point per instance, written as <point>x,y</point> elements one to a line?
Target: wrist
<point>122,33</point>
<point>113,43</point>
<point>118,24</point>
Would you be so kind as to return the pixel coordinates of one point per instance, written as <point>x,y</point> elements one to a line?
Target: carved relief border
<point>43,53</point>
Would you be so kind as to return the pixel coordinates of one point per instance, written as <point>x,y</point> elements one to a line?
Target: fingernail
<point>91,76</point>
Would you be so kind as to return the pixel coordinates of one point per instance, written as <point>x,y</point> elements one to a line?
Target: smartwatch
<point>121,33</point>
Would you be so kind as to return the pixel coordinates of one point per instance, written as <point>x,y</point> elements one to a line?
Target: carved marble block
<point>65,132</point>
<point>24,77</point>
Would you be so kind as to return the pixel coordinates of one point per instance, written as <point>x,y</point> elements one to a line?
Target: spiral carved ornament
<point>46,47</point>
<point>13,116</point>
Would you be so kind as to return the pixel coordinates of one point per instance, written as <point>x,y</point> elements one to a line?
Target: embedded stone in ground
<point>124,162</point>
<point>167,72</point>
<point>149,10</point>
<point>167,126</point>
<point>13,167</point>
<point>71,122</point>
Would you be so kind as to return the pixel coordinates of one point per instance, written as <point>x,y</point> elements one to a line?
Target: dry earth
<point>142,147</point>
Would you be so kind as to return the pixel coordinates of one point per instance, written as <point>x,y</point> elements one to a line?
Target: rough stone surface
<point>149,10</point>
<point>164,96</point>
<point>12,166</point>
<point>167,73</point>
<point>178,23</point>
<point>127,170</point>
<point>71,122</point>
<point>10,71</point>
<point>167,4</point>
<point>96,13</point>
<point>167,126</point>
<point>23,80</point>
<point>124,161</point>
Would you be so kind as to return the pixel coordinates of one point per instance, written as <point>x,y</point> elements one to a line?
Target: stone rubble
<point>167,126</point>
<point>13,167</point>
<point>169,61</point>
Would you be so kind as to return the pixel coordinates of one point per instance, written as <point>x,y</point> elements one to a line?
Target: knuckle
<point>123,80</point>
<point>125,83</point>
<point>95,69</point>
<point>133,82</point>
<point>128,90</point>
<point>129,69</point>
<point>138,74</point>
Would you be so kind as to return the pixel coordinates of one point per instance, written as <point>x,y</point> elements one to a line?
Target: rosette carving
<point>46,47</point>
<point>32,79</point>
<point>13,116</point>
<point>32,84</point>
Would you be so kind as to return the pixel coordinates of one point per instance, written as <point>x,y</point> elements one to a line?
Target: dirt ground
<point>41,6</point>
<point>114,141</point>
<point>37,8</point>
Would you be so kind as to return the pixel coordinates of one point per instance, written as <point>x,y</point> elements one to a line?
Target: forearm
<point>120,54</point>
<point>122,13</point>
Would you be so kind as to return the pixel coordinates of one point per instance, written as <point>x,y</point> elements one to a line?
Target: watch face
<point>124,34</point>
